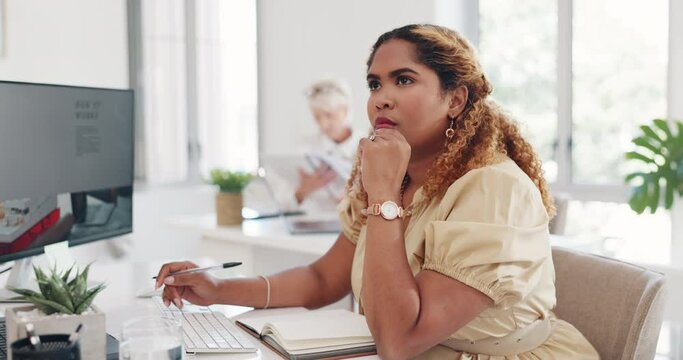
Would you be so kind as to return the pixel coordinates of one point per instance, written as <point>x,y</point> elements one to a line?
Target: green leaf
<point>45,288</point>
<point>669,193</point>
<point>636,200</point>
<point>54,305</point>
<point>679,125</point>
<point>230,181</point>
<point>90,296</point>
<point>634,175</point>
<point>60,294</point>
<point>664,126</point>
<point>642,141</point>
<point>651,134</point>
<point>45,309</point>
<point>40,275</point>
<point>638,156</point>
<point>24,292</point>
<point>653,197</point>
<point>65,277</point>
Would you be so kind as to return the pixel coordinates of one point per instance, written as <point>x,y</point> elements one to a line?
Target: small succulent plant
<point>59,293</point>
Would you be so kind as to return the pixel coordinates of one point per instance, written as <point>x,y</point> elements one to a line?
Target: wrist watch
<point>388,210</point>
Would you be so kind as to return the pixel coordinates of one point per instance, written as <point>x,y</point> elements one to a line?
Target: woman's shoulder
<point>498,189</point>
<point>504,172</point>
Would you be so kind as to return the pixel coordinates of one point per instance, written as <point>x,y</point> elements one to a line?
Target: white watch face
<point>389,210</point>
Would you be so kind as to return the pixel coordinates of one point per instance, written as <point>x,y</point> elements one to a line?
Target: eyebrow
<point>393,73</point>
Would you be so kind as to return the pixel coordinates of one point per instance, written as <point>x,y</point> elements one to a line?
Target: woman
<point>446,222</point>
<point>320,190</point>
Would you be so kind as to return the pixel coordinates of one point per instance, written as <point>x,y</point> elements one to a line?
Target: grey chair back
<point>617,306</point>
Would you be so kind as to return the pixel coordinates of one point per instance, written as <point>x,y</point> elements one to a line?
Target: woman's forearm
<point>300,286</point>
<point>390,294</point>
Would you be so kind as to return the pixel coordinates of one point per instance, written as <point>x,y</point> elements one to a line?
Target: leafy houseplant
<point>59,294</point>
<point>230,181</point>
<point>63,301</point>
<point>660,148</point>
<point>229,199</point>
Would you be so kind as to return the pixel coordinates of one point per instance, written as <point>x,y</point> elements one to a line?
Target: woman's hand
<point>384,162</point>
<point>309,183</point>
<point>199,288</point>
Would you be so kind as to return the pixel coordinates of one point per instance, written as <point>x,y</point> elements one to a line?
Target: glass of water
<point>151,338</point>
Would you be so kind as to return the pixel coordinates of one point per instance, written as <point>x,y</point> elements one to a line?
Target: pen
<point>76,334</point>
<point>208,268</point>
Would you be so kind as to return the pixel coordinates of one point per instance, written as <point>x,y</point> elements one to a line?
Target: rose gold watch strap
<point>374,209</point>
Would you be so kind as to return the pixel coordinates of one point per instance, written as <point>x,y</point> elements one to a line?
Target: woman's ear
<point>458,100</point>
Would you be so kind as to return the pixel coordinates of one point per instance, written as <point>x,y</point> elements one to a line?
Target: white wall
<point>302,40</point>
<point>72,42</point>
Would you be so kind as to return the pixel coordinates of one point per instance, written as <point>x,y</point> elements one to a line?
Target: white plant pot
<point>92,341</point>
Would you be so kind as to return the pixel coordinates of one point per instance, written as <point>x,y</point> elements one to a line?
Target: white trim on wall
<point>675,111</point>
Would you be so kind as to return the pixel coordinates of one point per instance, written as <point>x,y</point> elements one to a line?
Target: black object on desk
<point>55,346</point>
<point>112,344</point>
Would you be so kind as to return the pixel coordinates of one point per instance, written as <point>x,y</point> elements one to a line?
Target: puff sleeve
<point>349,210</point>
<point>490,232</point>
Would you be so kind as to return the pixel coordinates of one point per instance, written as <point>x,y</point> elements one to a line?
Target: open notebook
<point>315,334</point>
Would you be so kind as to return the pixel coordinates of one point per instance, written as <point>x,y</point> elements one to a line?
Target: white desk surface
<point>272,233</point>
<point>119,303</point>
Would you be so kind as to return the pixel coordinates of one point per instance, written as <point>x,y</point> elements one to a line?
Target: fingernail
<point>167,303</point>
<point>169,280</point>
<point>156,285</point>
<point>178,303</point>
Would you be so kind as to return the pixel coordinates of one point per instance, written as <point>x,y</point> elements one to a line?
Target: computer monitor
<point>66,167</point>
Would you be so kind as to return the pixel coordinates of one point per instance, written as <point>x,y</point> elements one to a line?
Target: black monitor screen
<point>66,166</point>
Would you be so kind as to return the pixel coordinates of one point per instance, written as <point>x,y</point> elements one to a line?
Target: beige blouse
<point>489,231</point>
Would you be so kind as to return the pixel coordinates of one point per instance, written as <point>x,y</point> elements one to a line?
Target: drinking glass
<point>151,338</point>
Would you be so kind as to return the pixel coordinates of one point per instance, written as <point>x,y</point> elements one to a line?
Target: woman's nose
<point>383,102</point>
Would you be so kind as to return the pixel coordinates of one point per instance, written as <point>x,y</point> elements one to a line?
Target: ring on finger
<point>372,137</point>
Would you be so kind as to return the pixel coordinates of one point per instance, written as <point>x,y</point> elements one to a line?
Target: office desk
<point>266,247</point>
<point>119,303</point>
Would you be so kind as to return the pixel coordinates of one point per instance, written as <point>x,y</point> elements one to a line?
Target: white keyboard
<point>207,331</point>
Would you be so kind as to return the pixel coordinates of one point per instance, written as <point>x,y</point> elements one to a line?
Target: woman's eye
<point>373,85</point>
<point>404,80</point>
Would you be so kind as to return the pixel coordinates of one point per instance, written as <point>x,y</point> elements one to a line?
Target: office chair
<point>617,306</point>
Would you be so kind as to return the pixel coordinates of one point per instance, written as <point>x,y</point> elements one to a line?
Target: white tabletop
<point>271,233</point>
<point>124,279</point>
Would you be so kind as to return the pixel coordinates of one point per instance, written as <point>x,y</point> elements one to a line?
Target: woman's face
<point>407,95</point>
<point>332,123</point>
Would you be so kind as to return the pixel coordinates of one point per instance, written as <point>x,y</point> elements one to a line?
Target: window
<point>518,47</point>
<point>195,78</point>
<point>227,84</point>
<point>620,51</point>
<point>580,76</point>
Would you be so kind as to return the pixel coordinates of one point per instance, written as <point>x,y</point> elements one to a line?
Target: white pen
<point>208,268</point>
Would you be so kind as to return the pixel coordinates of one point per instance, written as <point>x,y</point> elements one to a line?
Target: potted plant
<point>229,198</point>
<point>659,151</point>
<point>62,302</point>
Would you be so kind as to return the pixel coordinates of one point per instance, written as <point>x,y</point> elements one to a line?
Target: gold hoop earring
<point>450,132</point>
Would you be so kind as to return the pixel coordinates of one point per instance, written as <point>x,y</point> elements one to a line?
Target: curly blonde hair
<point>483,131</point>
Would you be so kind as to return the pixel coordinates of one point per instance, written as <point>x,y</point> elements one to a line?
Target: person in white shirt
<point>321,189</point>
